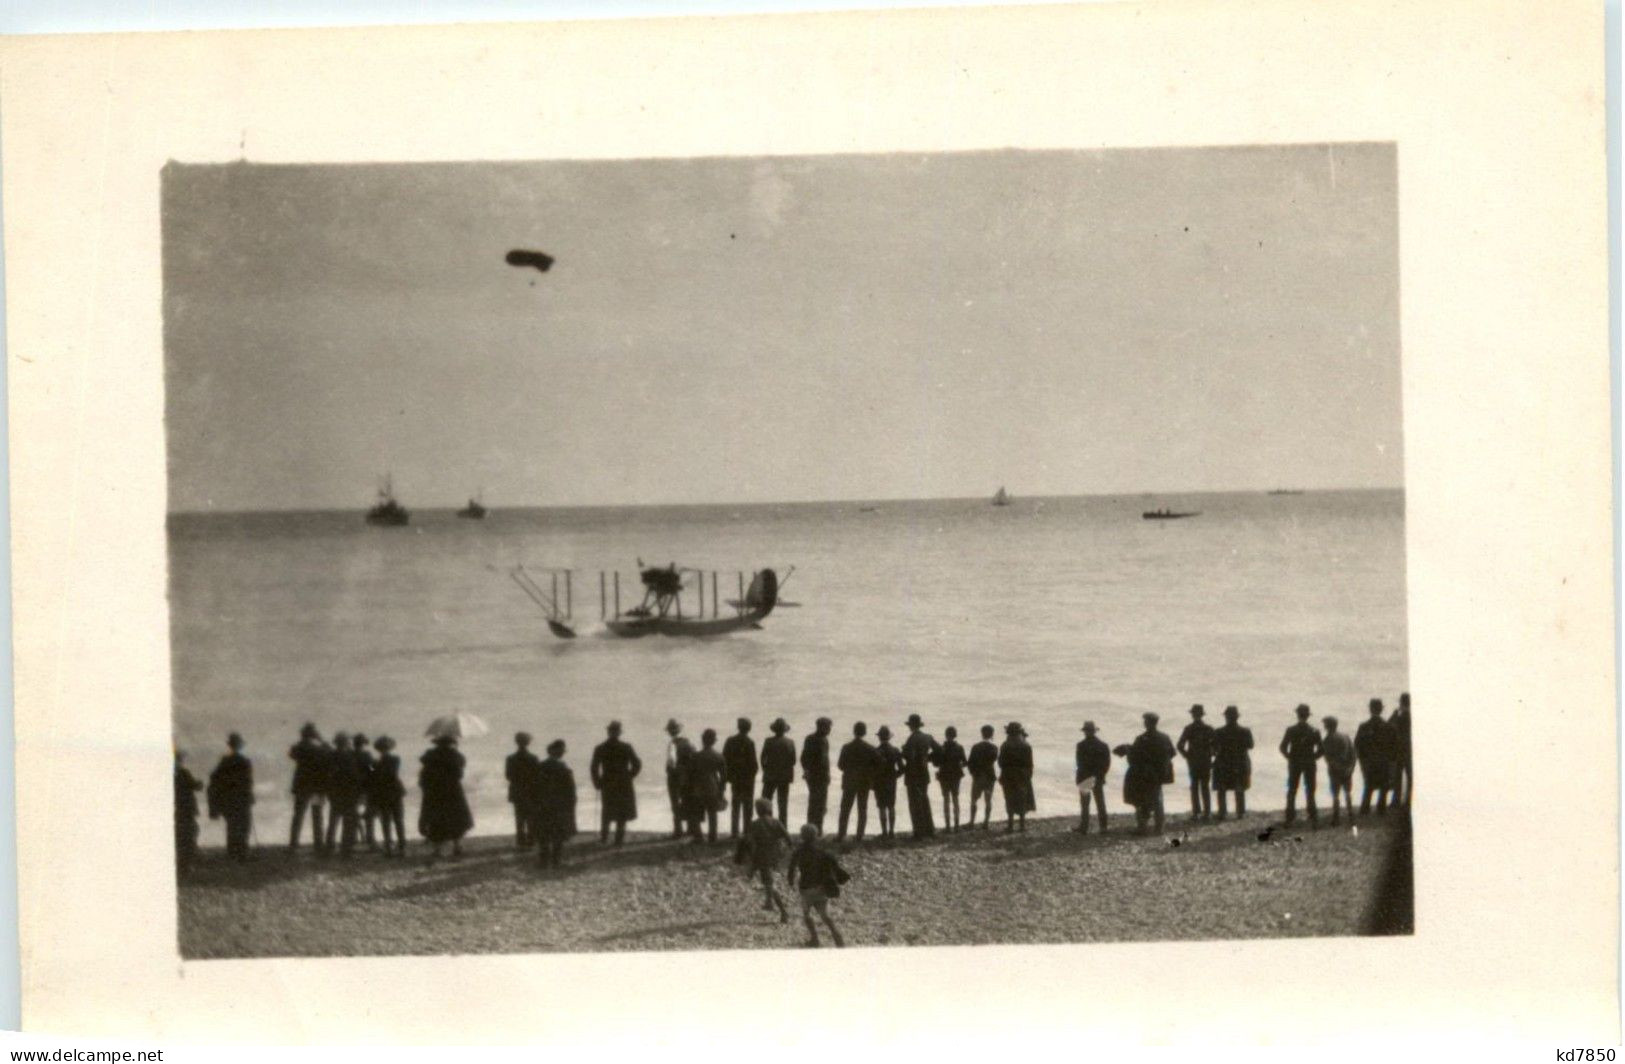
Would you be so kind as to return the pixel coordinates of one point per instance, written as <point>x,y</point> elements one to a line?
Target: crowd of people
<point>353,794</point>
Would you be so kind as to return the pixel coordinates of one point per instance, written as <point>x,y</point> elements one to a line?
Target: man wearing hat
<point>1150,767</point>
<point>310,770</point>
<point>740,766</point>
<point>857,765</point>
<point>815,771</point>
<point>1301,748</point>
<point>387,795</point>
<point>779,767</point>
<point>888,765</point>
<point>552,796</point>
<point>920,752</point>
<point>1094,760</point>
<point>679,752</point>
<point>1232,764</point>
<point>1016,776</point>
<point>1196,747</point>
<point>231,795</point>
<point>613,767</point>
<point>1338,749</point>
<point>520,770</point>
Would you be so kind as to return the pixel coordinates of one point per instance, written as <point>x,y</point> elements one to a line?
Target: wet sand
<point>1048,885</point>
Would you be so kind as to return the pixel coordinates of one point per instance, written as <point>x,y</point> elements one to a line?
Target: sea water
<point>1047,611</point>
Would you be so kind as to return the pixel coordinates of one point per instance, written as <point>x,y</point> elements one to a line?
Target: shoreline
<point>1048,885</point>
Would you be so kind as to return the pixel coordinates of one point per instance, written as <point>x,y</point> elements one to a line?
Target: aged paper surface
<point>1497,113</point>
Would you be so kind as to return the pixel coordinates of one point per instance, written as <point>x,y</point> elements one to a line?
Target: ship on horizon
<point>387,512</point>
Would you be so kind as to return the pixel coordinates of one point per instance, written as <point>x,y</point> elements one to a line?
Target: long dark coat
<point>739,760</point>
<point>1094,759</point>
<point>385,789</point>
<point>520,769</point>
<point>1232,764</point>
<point>445,815</point>
<point>815,758</point>
<point>857,765</point>
<point>310,766</point>
<point>920,752</point>
<point>779,760</point>
<point>614,766</point>
<point>1374,745</point>
<point>1150,766</point>
<point>554,798</point>
<point>1016,776</point>
<point>705,793</point>
<point>231,786</point>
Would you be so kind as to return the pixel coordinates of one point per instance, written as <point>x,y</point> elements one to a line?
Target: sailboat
<point>387,512</point>
<point>474,511</point>
<point>1001,497</point>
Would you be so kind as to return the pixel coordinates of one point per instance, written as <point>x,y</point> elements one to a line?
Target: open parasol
<point>459,725</point>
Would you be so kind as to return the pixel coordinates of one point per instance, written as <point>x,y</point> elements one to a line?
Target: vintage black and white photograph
<point>776,552</point>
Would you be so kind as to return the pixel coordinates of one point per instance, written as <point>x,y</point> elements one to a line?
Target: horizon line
<point>452,507</point>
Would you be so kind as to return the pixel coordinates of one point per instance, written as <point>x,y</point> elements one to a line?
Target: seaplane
<point>661,610</point>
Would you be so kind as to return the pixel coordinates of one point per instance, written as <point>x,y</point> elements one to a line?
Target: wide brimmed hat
<point>1150,718</point>
<point>914,721</point>
<point>884,732</point>
<point>1013,728</point>
<point>779,725</point>
<point>384,742</point>
<point>1231,712</point>
<point>1197,710</point>
<point>1088,725</point>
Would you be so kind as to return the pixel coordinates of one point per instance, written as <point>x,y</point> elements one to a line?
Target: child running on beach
<point>763,846</point>
<point>821,877</point>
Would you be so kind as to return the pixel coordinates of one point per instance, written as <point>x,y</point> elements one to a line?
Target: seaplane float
<point>661,610</point>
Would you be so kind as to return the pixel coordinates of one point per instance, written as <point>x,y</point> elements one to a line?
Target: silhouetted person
<point>444,815</point>
<point>1301,748</point>
<point>1094,763</point>
<point>1338,750</point>
<point>740,765</point>
<point>520,771</point>
<point>1374,746</point>
<point>1016,777</point>
<point>920,751</point>
<point>679,752</point>
<point>765,843</point>
<point>950,773</point>
<point>820,877</point>
<point>1150,768</point>
<point>343,795</point>
<point>553,809</point>
<point>1400,722</point>
<point>231,796</point>
<point>778,767</point>
<point>366,764</point>
<point>705,793</point>
<point>1232,763</point>
<point>309,756</point>
<point>1196,747</point>
<point>186,826</point>
<point>387,795</point>
<point>614,766</point>
<point>857,766</point>
<point>888,766</point>
<point>982,764</point>
<point>815,771</point>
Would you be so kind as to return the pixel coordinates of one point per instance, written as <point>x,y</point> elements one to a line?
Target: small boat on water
<point>1285,491</point>
<point>474,511</point>
<point>1169,515</point>
<point>1001,497</point>
<point>387,512</point>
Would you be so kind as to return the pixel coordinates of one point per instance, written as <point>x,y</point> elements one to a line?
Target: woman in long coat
<point>1232,764</point>
<point>1016,777</point>
<point>554,815</point>
<point>445,816</point>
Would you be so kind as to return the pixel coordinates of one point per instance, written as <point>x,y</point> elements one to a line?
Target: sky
<point>783,329</point>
